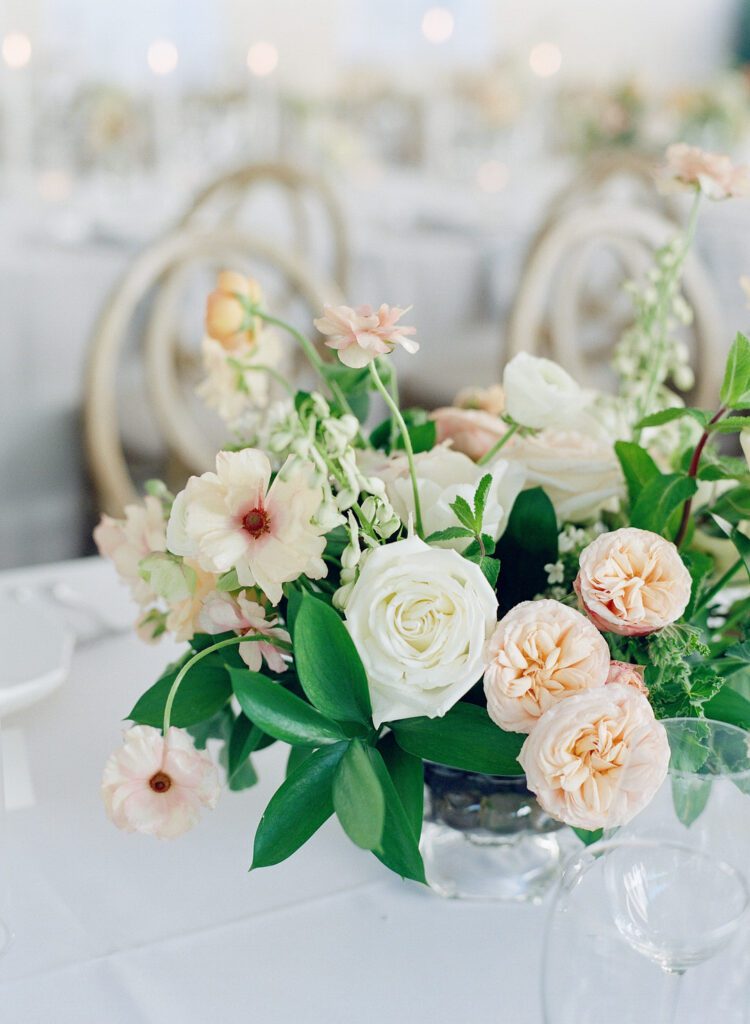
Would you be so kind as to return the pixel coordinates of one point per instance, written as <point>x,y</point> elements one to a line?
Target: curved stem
<point>256,638</point>
<point>488,456</point>
<point>693,472</point>
<point>274,374</point>
<point>313,358</point>
<point>396,414</point>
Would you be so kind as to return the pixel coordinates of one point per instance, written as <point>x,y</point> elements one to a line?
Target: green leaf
<point>205,690</point>
<point>659,499</point>
<point>740,541</point>
<point>729,706</point>
<point>480,498</point>
<point>280,713</point>
<point>714,466</point>
<point>423,437</point>
<point>407,775</point>
<point>638,468</point>
<point>293,602</point>
<point>528,544</point>
<point>464,513</point>
<point>656,419</point>
<point>358,797</point>
<point>228,581</point>
<point>298,807</point>
<point>700,566</point>
<point>422,432</point>
<point>399,848</point>
<point>586,837</point>
<point>245,738</point>
<point>328,664</point>
<point>735,389</point>
<point>730,425</point>
<point>491,569</point>
<point>733,505</point>
<point>296,756</point>
<point>464,738</point>
<point>449,533</point>
<point>690,796</point>
<point>217,728</point>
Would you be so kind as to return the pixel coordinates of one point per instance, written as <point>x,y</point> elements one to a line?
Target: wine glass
<point>631,916</point>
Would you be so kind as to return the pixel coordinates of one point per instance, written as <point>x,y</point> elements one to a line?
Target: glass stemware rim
<point>742,773</point>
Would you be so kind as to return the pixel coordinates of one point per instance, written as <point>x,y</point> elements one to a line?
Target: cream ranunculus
<point>442,476</point>
<point>578,471</point>
<point>232,519</point>
<point>420,618</point>
<point>539,393</point>
<point>540,653</point>
<point>596,759</point>
<point>129,540</point>
<point>632,582</point>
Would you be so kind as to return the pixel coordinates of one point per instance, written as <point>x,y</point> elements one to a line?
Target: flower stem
<point>396,414</point>
<point>657,374</point>
<point>719,586</point>
<point>693,472</point>
<point>257,638</point>
<point>313,358</point>
<point>488,456</point>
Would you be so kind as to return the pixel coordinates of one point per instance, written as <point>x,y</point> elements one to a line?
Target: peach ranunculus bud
<point>226,316</point>
<point>632,582</point>
<point>714,174</point>
<point>157,785</point>
<point>540,653</point>
<point>491,399</point>
<point>596,759</point>
<point>470,431</point>
<point>622,673</point>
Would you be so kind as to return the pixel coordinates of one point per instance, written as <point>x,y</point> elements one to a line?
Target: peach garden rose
<point>596,759</point>
<point>472,432</point>
<point>632,582</point>
<point>540,653</point>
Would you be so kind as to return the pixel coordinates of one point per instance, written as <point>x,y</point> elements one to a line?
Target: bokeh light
<point>545,59</point>
<point>437,25</point>
<point>16,49</point>
<point>262,58</point>
<point>162,57</point>
<point>492,176</point>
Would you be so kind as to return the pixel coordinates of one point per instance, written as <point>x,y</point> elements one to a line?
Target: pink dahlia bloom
<point>158,786</point>
<point>361,335</point>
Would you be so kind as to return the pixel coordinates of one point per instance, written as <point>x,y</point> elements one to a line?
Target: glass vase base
<point>482,866</point>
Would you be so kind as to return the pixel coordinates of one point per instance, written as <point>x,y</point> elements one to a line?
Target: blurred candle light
<point>437,25</point>
<point>55,186</point>
<point>16,50</point>
<point>262,58</point>
<point>492,176</point>
<point>162,57</point>
<point>18,110</point>
<point>545,59</point>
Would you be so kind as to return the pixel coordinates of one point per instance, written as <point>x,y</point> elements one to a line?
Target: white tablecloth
<point>120,929</point>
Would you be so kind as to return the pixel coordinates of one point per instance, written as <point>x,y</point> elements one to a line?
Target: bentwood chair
<point>162,416</point>
<point>570,305</point>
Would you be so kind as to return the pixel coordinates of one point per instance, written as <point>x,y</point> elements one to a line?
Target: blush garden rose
<point>632,582</point>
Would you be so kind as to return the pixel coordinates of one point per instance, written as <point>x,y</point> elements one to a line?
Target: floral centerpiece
<point>524,583</point>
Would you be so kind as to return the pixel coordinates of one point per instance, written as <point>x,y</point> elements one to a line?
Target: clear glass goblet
<point>635,920</point>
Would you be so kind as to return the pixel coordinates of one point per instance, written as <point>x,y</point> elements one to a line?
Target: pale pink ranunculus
<point>540,653</point>
<point>713,173</point>
<point>596,759</point>
<point>232,519</point>
<point>491,399</point>
<point>158,786</point>
<point>632,582</point>
<point>244,615</point>
<point>127,541</point>
<point>623,673</point>
<point>361,335</point>
<point>470,431</point>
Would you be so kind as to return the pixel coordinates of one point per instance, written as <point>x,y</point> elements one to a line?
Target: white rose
<point>580,473</point>
<point>420,618</point>
<point>539,393</point>
<point>443,475</point>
